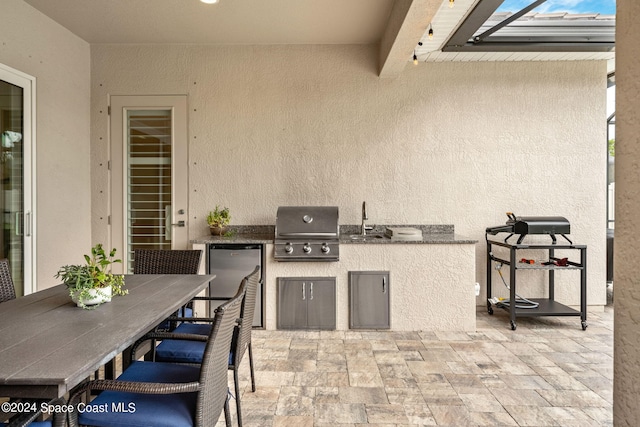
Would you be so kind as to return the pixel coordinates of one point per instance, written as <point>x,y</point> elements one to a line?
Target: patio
<point>547,373</point>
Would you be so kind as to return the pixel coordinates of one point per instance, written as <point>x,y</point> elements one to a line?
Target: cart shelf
<point>546,306</point>
<point>545,267</point>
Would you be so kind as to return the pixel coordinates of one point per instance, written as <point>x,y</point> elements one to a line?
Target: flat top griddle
<point>524,225</point>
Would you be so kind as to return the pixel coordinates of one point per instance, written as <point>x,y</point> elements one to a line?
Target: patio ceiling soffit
<point>408,22</point>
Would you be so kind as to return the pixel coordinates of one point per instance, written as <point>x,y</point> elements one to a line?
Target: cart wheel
<point>513,325</point>
<point>490,310</point>
<point>584,325</point>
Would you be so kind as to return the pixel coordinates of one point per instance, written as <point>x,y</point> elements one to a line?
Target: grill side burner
<point>524,225</point>
<point>307,233</point>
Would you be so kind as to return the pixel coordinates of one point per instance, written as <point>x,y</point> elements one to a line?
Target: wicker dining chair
<point>191,352</point>
<point>7,289</point>
<point>167,261</point>
<point>168,394</point>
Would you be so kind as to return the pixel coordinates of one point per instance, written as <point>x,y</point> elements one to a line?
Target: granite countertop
<point>431,234</point>
<point>236,238</point>
<point>436,238</point>
<point>241,234</point>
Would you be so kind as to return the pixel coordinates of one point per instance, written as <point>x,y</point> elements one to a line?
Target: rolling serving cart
<point>546,306</point>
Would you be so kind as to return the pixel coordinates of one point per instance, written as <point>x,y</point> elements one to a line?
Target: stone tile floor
<point>549,372</point>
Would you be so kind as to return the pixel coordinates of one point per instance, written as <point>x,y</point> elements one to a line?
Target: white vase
<point>97,296</point>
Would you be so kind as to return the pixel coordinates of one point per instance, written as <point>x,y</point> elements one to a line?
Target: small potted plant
<point>92,283</point>
<point>218,220</point>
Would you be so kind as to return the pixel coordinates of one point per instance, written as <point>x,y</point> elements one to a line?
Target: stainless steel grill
<point>307,233</point>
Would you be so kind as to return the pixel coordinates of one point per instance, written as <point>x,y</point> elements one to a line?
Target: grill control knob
<point>306,248</point>
<point>325,248</point>
<point>288,248</point>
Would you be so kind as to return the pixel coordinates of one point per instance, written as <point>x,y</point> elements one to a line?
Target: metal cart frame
<point>547,306</point>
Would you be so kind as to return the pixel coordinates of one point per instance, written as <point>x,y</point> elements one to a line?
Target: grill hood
<point>307,222</point>
<point>307,233</point>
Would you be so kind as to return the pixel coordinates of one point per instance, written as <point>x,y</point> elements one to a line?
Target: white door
<point>149,184</point>
<point>17,192</point>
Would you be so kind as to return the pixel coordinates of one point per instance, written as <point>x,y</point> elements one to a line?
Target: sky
<point>605,7</point>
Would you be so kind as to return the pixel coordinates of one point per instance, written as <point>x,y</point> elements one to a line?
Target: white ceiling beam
<point>407,24</point>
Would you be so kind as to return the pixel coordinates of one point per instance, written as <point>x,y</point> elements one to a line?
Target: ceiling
<point>397,25</point>
<point>228,22</point>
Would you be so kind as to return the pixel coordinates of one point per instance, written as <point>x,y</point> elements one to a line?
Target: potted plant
<point>92,283</point>
<point>218,220</point>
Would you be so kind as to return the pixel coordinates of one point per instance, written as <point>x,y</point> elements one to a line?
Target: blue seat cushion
<point>146,410</point>
<point>194,328</point>
<point>184,351</point>
<point>166,325</point>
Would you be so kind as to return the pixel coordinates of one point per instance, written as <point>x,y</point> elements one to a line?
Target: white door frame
<point>120,104</point>
<point>28,84</point>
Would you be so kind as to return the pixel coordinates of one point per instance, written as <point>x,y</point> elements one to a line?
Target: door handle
<point>167,222</point>
<point>18,224</point>
<point>304,293</point>
<point>311,291</point>
<point>28,223</point>
<point>384,285</point>
<point>168,217</point>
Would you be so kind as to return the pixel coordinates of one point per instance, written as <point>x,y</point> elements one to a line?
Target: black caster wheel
<point>513,325</point>
<point>584,325</point>
<point>490,310</point>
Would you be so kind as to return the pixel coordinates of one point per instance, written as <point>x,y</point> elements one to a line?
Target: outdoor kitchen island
<point>431,282</point>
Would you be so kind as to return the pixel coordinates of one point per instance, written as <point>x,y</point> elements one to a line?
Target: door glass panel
<point>149,180</point>
<point>11,173</point>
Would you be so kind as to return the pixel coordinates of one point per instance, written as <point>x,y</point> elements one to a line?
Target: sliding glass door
<point>16,237</point>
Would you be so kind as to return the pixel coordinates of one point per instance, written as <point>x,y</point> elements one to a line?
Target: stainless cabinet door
<point>369,306</point>
<point>321,303</point>
<point>292,304</point>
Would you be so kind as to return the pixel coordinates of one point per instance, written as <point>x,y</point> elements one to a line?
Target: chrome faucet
<point>365,218</point>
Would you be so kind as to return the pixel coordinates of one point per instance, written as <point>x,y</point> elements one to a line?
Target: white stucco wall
<point>444,143</point>
<point>60,61</point>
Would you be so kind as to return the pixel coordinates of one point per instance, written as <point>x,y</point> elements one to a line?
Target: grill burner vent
<point>524,225</point>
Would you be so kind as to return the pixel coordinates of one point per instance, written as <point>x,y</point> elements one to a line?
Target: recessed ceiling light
<point>209,1</point>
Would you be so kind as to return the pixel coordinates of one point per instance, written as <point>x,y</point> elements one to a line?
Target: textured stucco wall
<point>626,382</point>
<point>432,286</point>
<point>60,62</point>
<point>444,143</point>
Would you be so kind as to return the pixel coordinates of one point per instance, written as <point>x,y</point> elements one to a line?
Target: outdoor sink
<point>360,237</point>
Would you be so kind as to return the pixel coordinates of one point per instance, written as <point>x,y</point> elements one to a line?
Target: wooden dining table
<point>48,345</point>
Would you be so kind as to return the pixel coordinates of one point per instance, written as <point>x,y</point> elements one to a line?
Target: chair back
<point>242,333</point>
<point>166,261</point>
<point>213,371</point>
<point>7,290</point>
